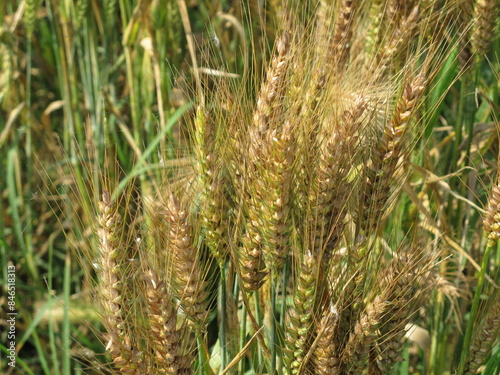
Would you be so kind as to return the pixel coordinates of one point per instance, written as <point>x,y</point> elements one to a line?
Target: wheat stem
<point>222,330</point>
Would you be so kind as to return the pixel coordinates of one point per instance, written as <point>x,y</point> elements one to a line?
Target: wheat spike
<point>466,10</point>
<point>399,39</point>
<point>384,174</point>
<point>393,324</point>
<point>271,91</point>
<point>342,39</point>
<point>162,321</point>
<point>328,201</point>
<point>125,357</point>
<point>251,261</point>
<point>483,26</point>
<point>491,220</point>
<point>213,203</point>
<point>484,340</point>
<point>275,197</point>
<point>357,351</point>
<point>192,292</point>
<point>326,355</point>
<point>267,155</point>
<point>300,328</point>
<point>29,16</point>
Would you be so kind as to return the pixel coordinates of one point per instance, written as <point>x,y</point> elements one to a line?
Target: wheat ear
<point>213,204</point>
<point>326,356</point>
<point>343,32</point>
<point>113,256</point>
<point>192,292</point>
<point>361,340</point>
<point>386,171</point>
<point>399,39</point>
<point>486,336</point>
<point>165,336</point>
<point>483,26</point>
<point>491,220</point>
<point>271,92</point>
<point>251,252</point>
<point>275,197</point>
<point>466,10</point>
<point>404,298</point>
<point>300,328</point>
<point>331,189</point>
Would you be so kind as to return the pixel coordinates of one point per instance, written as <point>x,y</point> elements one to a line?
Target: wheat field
<point>261,187</point>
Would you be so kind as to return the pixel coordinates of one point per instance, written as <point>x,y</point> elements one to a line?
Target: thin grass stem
<point>222,300</point>
<point>273,342</point>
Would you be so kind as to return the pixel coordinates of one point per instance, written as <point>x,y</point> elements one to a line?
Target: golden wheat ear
<point>484,340</point>
<point>268,164</point>
<point>113,257</point>
<point>491,220</point>
<point>165,338</point>
<point>326,354</point>
<point>386,170</point>
<point>397,43</point>
<point>357,351</point>
<point>191,285</point>
<point>331,188</point>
